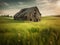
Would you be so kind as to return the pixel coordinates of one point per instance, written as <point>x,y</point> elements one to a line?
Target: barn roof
<point>25,11</point>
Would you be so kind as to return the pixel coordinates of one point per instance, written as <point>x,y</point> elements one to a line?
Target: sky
<point>46,7</point>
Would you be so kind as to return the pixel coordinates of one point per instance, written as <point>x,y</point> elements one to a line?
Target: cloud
<point>49,7</point>
<point>1,11</point>
<point>52,1</point>
<point>8,4</point>
<point>17,0</point>
<point>46,7</point>
<point>4,4</point>
<point>21,3</point>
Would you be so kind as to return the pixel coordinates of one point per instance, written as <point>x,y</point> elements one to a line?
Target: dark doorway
<point>30,19</point>
<point>36,20</point>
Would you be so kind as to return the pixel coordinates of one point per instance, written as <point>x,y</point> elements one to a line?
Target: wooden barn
<point>30,14</point>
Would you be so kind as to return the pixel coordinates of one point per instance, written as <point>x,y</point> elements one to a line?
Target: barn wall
<point>29,14</point>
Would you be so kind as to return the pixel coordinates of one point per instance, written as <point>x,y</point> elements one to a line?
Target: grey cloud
<point>16,0</point>
<point>7,4</point>
<point>52,1</point>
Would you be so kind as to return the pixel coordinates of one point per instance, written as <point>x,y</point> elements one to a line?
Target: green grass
<point>44,32</point>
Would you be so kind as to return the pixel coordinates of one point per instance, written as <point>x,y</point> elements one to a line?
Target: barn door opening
<point>30,19</point>
<point>36,20</point>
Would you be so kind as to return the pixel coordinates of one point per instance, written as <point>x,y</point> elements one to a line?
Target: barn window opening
<point>25,17</point>
<point>34,15</point>
<point>30,19</point>
<point>35,10</point>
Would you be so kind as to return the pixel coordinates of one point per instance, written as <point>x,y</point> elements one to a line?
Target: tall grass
<point>45,32</point>
<point>31,37</point>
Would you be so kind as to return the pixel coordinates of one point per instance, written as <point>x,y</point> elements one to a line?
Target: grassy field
<point>45,32</point>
